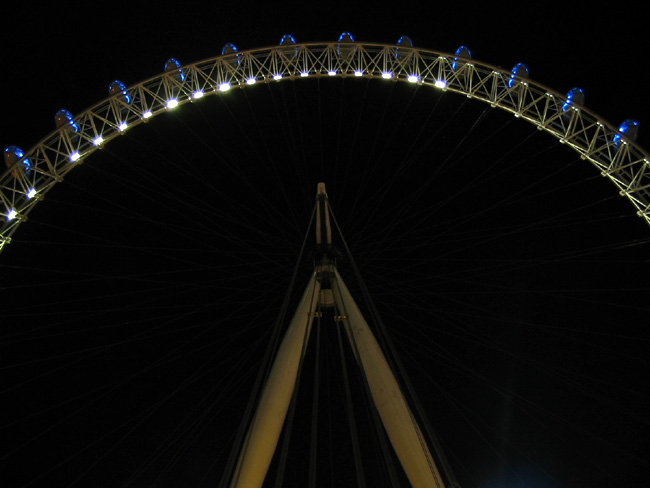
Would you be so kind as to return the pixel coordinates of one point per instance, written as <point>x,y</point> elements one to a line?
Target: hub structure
<point>327,289</point>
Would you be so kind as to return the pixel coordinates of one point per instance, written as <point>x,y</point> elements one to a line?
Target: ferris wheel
<point>609,148</point>
<point>253,223</point>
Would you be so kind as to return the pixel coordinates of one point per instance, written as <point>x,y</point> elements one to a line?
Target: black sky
<point>511,276</point>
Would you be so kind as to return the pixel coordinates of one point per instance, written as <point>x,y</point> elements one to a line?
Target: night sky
<point>138,300</point>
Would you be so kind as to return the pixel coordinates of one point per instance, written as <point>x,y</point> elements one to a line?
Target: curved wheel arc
<point>610,150</point>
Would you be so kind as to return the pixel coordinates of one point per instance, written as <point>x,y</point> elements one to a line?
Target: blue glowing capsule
<point>346,37</point>
<point>630,129</point>
<point>404,41</point>
<point>575,96</point>
<point>173,65</point>
<point>117,87</point>
<point>287,39</point>
<point>63,118</point>
<point>462,52</point>
<point>14,154</point>
<point>519,71</point>
<point>289,49</point>
<point>230,48</point>
<point>343,51</point>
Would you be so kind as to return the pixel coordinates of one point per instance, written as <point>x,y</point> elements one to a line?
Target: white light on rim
<point>12,214</point>
<point>251,81</point>
<point>277,77</point>
<point>147,114</point>
<point>98,140</point>
<point>413,78</point>
<point>358,72</point>
<point>440,84</point>
<point>225,86</point>
<point>387,75</point>
<point>172,103</point>
<point>122,127</point>
<point>331,73</point>
<point>31,193</point>
<point>197,94</point>
<point>304,74</point>
<point>75,156</point>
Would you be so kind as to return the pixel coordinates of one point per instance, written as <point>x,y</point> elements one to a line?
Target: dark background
<point>138,299</point>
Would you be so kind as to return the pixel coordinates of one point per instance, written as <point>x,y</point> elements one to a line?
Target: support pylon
<point>326,288</point>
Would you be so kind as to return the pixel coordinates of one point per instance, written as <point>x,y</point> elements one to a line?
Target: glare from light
<point>331,73</point>
<point>147,114</point>
<point>413,78</point>
<point>172,103</point>
<point>387,75</point>
<point>304,74</point>
<point>277,77</point>
<point>358,72</point>
<point>251,81</point>
<point>122,127</point>
<point>197,94</point>
<point>225,86</point>
<point>74,156</point>
<point>31,193</point>
<point>98,140</point>
<point>440,84</point>
<point>12,214</point>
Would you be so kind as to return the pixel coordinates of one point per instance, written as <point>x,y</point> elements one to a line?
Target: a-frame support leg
<point>404,433</point>
<point>264,431</point>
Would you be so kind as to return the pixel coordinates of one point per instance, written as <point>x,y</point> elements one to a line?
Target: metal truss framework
<point>600,143</point>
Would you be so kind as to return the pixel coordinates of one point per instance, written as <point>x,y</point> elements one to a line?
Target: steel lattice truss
<point>597,141</point>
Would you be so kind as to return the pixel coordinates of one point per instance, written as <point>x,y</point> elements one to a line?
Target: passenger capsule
<point>173,65</point>
<point>117,87</point>
<point>14,154</point>
<point>345,52</point>
<point>462,52</point>
<point>404,41</point>
<point>230,48</point>
<point>289,49</point>
<point>63,118</point>
<point>575,96</point>
<point>630,129</point>
<point>519,71</point>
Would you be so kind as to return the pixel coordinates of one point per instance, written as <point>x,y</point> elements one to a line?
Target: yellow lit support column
<point>403,432</point>
<point>264,431</point>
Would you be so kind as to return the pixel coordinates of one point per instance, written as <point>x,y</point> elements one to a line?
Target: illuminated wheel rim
<point>56,159</point>
<point>597,141</point>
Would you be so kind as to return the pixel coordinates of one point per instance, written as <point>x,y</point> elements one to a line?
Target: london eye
<point>130,340</point>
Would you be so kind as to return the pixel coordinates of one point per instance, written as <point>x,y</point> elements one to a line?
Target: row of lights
<point>225,86</point>
<point>172,64</point>
<point>222,87</point>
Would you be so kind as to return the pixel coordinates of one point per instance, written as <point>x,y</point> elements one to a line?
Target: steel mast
<point>326,289</point>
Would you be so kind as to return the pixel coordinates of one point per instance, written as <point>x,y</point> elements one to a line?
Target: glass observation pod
<point>520,70</point>
<point>346,53</point>
<point>118,89</point>
<point>233,57</point>
<point>174,65</point>
<point>462,53</point>
<point>64,121</point>
<point>13,154</point>
<point>288,49</point>
<point>402,57</point>
<point>629,129</point>
<point>404,41</point>
<point>63,118</point>
<point>575,96</point>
